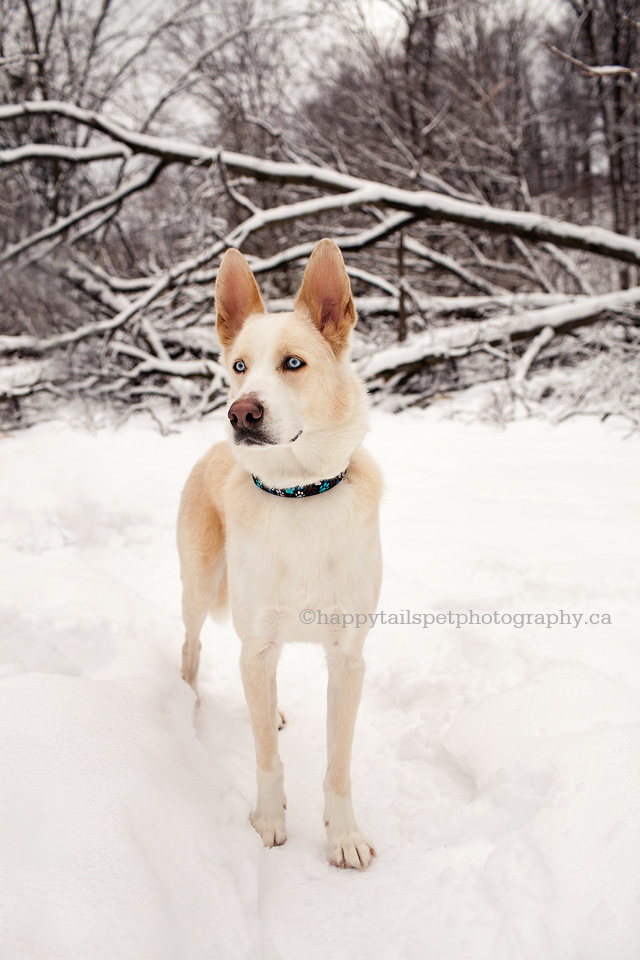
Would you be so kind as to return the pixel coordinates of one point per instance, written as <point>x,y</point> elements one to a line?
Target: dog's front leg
<point>347,845</point>
<point>258,664</point>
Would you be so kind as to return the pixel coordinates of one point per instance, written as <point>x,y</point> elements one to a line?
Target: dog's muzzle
<point>246,416</point>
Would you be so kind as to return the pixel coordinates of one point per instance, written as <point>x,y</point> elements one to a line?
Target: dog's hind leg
<point>200,586</point>
<point>201,545</point>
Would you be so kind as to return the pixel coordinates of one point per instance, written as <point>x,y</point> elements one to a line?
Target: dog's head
<point>295,407</point>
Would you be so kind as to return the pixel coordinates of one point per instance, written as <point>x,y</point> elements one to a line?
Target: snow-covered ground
<point>496,767</point>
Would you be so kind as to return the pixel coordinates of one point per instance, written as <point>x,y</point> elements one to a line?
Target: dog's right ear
<point>237,296</point>
<point>325,295</point>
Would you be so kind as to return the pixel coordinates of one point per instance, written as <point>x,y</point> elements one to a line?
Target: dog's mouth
<point>253,439</point>
<point>250,438</point>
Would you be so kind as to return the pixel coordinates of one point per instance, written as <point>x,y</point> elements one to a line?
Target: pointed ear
<point>326,295</point>
<point>237,296</point>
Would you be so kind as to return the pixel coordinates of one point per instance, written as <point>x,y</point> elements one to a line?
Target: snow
<point>496,767</point>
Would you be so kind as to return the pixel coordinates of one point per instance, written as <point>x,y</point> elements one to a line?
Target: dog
<point>281,521</point>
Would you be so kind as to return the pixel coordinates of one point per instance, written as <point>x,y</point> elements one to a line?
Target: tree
<point>602,40</point>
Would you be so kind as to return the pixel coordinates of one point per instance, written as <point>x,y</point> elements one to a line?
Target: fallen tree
<point>353,191</point>
<point>459,339</point>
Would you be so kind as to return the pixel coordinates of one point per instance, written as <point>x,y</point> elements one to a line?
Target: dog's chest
<point>292,554</point>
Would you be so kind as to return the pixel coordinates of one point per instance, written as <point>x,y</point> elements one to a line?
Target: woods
<point>478,167</point>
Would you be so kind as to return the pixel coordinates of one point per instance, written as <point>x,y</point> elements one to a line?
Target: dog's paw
<point>281,719</point>
<point>272,830</point>
<point>351,850</point>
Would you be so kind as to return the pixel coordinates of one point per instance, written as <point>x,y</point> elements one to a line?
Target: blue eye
<point>239,366</point>
<point>293,363</point>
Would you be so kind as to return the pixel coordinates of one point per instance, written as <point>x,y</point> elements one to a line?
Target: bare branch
<point>20,58</point>
<point>569,266</point>
<point>186,77</point>
<point>94,207</point>
<point>533,266</point>
<point>448,263</point>
<point>171,20</point>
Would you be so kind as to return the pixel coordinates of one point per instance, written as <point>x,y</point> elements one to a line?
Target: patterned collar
<point>308,490</point>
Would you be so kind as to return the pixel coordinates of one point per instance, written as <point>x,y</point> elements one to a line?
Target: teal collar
<point>308,490</point>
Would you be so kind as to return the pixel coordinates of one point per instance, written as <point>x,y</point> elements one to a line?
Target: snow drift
<point>495,769</point>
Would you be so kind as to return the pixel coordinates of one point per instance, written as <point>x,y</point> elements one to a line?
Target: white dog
<point>283,518</point>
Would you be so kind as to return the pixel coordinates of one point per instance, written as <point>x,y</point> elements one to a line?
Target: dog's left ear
<point>237,296</point>
<point>326,295</point>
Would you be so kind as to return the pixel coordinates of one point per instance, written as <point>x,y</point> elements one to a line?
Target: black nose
<point>245,414</point>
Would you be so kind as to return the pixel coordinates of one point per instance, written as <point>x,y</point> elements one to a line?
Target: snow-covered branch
<point>55,151</point>
<point>589,71</point>
<point>422,204</point>
<point>461,337</point>
<point>525,362</point>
